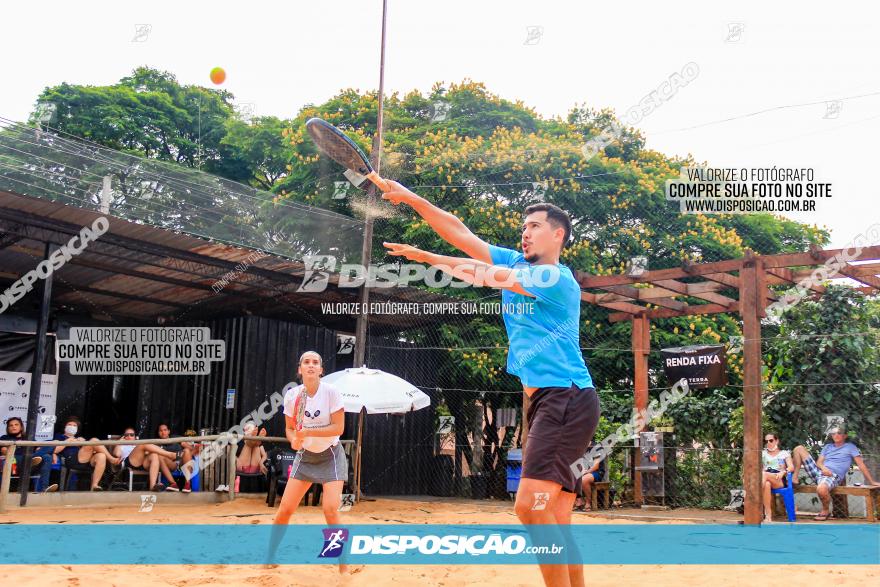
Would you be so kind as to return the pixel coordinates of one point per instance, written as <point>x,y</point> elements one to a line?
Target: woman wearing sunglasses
<point>145,457</point>
<point>777,464</point>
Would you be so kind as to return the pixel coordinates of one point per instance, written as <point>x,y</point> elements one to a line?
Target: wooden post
<point>641,346</point>
<point>750,309</point>
<point>230,469</point>
<point>7,477</point>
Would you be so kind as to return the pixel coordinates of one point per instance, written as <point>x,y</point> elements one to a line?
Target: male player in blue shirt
<point>541,309</point>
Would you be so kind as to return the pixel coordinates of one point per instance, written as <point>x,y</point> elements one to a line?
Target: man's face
<point>539,237</point>
<point>164,432</point>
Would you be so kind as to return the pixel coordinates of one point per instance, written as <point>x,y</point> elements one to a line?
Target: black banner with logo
<point>702,365</point>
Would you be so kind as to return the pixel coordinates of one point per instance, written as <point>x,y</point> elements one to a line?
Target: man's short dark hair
<point>556,216</point>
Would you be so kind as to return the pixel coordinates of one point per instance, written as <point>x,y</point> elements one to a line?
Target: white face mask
<point>70,430</point>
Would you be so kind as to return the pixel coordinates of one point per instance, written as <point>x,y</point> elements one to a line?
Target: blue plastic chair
<point>787,494</point>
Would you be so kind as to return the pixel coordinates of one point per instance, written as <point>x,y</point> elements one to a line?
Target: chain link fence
<point>819,357</point>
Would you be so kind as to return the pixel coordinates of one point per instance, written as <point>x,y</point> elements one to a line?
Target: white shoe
<point>222,488</point>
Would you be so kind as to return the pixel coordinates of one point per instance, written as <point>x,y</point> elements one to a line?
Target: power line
<point>764,111</point>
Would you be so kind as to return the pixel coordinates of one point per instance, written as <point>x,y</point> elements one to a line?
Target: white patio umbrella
<point>372,391</point>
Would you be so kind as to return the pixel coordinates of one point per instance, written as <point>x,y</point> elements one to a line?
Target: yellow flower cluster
<point>483,362</point>
<point>709,227</point>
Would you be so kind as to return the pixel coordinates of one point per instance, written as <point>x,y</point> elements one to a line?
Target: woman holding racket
<point>315,419</point>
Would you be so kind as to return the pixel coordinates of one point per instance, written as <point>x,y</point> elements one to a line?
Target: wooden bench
<point>839,494</point>
<point>595,488</point>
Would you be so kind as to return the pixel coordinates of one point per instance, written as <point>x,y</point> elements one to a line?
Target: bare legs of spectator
<point>168,466</point>
<point>148,456</point>
<point>825,497</point>
<point>251,459</point>
<point>252,456</point>
<point>587,485</point>
<point>97,456</point>
<point>798,456</point>
<point>769,484</point>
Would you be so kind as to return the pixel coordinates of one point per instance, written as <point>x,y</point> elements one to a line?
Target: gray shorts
<point>320,467</point>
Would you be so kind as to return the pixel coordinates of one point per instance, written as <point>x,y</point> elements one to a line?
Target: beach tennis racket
<point>299,409</point>
<point>332,142</point>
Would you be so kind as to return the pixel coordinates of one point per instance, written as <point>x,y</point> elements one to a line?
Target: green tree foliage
<point>823,362</point>
<point>147,113</point>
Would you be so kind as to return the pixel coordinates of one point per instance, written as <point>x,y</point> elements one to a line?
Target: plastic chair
<point>787,494</point>
<point>34,478</point>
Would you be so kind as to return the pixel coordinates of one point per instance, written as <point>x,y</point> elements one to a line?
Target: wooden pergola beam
<point>588,281</point>
<point>702,287</point>
<point>866,268</point>
<point>787,275</point>
<point>702,292</point>
<point>659,296</point>
<point>724,278</point>
<point>669,313</point>
<point>867,279</point>
<point>819,256</point>
<point>816,257</point>
<point>630,309</point>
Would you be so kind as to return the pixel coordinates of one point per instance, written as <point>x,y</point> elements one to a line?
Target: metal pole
<point>37,377</point>
<point>360,341</point>
<point>357,456</point>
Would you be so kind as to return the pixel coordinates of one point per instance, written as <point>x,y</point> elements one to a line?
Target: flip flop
<point>821,517</point>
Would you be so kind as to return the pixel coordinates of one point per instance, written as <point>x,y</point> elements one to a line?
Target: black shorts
<point>127,463</point>
<point>562,422</point>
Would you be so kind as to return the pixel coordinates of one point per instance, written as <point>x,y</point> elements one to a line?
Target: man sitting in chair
<point>830,469</point>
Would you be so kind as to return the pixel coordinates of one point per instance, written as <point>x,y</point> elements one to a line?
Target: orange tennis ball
<point>218,75</point>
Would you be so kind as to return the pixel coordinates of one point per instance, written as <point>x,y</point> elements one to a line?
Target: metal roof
<point>146,273</point>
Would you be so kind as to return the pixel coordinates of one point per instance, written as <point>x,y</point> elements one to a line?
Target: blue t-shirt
<point>69,452</point>
<point>542,330</point>
<point>838,459</point>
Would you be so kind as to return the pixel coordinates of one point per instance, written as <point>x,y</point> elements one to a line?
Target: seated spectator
<point>41,459</point>
<point>830,469</point>
<point>594,474</point>
<point>95,457</point>
<point>777,465</point>
<point>252,454</point>
<point>168,466</point>
<point>145,457</point>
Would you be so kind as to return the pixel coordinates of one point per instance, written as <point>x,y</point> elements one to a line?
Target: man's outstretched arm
<point>446,225</point>
<point>470,271</point>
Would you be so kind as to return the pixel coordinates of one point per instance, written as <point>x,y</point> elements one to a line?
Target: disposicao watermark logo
<point>318,268</point>
<point>334,542</point>
<point>56,261</point>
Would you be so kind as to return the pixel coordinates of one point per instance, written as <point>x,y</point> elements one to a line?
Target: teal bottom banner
<point>430,544</point>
